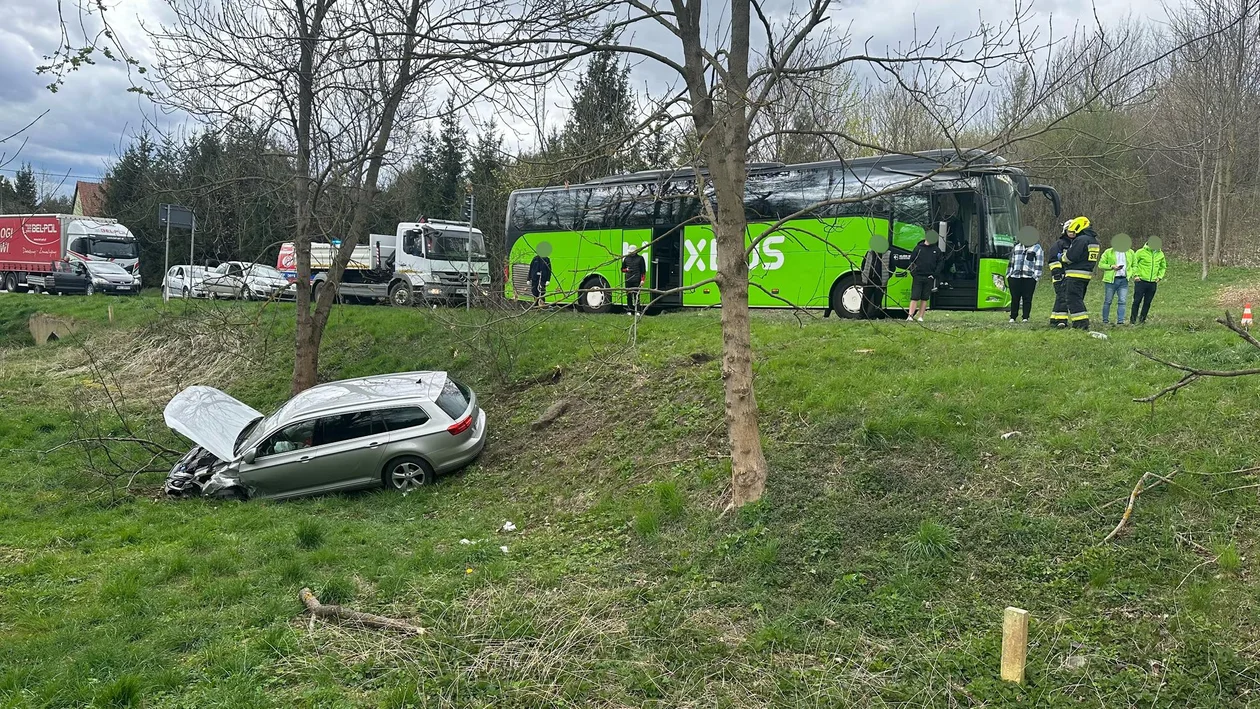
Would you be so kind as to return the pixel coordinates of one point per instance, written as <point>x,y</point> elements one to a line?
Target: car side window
<point>288,439</point>
<point>234,270</point>
<point>345,427</point>
<point>404,417</point>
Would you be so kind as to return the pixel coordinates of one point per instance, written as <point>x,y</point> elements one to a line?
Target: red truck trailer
<point>30,243</point>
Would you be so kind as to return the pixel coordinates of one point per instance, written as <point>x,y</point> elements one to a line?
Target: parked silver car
<point>393,430</point>
<point>183,282</point>
<point>246,281</point>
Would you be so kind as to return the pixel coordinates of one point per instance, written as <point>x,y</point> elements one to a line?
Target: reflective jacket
<point>1148,265</point>
<point>1081,257</point>
<point>1108,264</point>
<point>1054,261</point>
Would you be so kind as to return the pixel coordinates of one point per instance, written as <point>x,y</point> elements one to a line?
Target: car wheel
<point>230,493</point>
<point>11,283</point>
<point>594,296</point>
<point>846,298</point>
<point>244,293</point>
<point>407,473</point>
<point>91,290</point>
<point>184,294</point>
<point>401,296</point>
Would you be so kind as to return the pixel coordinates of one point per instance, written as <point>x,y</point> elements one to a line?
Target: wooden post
<point>1014,644</point>
<point>110,309</point>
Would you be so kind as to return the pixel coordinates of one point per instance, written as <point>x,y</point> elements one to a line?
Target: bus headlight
<point>999,282</point>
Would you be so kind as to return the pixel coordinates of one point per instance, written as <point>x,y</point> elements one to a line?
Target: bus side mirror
<point>1051,194</point>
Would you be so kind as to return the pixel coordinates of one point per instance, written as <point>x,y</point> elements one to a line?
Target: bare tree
<point>338,81</point>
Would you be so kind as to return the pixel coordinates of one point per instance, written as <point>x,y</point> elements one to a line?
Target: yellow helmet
<point>1078,225</point>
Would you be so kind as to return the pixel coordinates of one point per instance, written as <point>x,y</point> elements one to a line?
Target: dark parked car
<point>65,277</point>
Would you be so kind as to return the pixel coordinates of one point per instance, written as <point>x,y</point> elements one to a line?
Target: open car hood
<point>210,418</point>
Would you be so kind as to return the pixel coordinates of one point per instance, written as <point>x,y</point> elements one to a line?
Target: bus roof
<point>912,164</point>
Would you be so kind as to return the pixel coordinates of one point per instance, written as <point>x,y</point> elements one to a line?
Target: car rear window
<point>405,417</point>
<point>453,399</point>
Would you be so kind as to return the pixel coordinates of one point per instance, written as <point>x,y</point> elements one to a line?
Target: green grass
<point>897,525</point>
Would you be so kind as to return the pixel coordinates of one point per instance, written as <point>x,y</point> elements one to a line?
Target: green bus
<point>812,261</point>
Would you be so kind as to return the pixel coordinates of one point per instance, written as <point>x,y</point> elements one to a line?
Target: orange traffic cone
<point>1246,318</point>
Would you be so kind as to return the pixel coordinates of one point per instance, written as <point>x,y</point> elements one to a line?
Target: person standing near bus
<point>926,262</point>
<point>1027,262</point>
<point>1059,314</point>
<point>873,278</point>
<point>1078,268</point>
<point>1115,264</point>
<point>1149,268</point>
<point>540,273</point>
<point>635,269</point>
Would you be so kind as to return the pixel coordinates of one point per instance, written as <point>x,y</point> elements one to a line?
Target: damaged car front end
<point>219,425</point>
<point>200,474</point>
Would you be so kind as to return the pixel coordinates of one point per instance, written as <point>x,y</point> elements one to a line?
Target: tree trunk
<point>1205,211</point>
<point>748,462</point>
<point>1216,237</point>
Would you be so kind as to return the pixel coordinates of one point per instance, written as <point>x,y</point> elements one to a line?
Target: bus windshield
<point>112,248</point>
<point>1002,218</point>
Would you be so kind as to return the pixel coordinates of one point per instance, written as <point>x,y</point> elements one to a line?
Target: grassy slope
<point>897,526</point>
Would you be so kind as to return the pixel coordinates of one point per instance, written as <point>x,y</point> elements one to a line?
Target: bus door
<point>666,267</point>
<point>955,216</point>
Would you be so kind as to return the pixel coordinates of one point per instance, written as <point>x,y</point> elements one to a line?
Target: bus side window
<point>911,219</point>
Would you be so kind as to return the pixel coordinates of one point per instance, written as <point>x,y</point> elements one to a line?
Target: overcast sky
<point>93,116</point>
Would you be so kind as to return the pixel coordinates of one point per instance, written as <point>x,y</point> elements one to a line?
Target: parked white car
<point>247,281</point>
<point>184,282</point>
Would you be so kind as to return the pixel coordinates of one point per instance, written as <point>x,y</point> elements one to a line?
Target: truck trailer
<point>433,265</point>
<point>31,243</point>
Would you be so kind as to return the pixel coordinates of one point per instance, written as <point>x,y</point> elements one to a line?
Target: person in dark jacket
<point>873,278</point>
<point>1054,263</point>
<point>540,273</point>
<point>635,269</point>
<point>1078,268</point>
<point>926,263</point>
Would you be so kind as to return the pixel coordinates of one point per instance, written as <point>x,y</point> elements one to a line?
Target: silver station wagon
<point>394,430</point>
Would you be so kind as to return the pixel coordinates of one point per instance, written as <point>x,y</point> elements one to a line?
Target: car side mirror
<point>249,456</point>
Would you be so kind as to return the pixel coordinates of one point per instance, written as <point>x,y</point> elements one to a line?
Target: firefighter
<point>1078,268</point>
<point>1054,262</point>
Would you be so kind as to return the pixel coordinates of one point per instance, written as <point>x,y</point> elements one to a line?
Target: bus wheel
<point>593,297</point>
<point>400,295</point>
<point>846,298</point>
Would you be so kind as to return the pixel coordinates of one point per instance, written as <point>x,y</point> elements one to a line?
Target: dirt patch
<point>1234,297</point>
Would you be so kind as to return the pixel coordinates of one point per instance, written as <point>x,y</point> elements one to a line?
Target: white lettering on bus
<point>766,255</point>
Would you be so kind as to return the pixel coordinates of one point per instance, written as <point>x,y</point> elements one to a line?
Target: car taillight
<point>460,426</point>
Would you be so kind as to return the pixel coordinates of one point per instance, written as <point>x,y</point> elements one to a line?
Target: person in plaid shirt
<point>1026,263</point>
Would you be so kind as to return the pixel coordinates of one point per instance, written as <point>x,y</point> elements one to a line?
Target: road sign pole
<point>167,269</point>
<point>192,241</point>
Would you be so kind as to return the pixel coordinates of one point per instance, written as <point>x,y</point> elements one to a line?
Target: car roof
<point>362,393</point>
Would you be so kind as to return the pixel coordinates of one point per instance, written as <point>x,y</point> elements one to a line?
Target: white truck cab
<point>426,261</point>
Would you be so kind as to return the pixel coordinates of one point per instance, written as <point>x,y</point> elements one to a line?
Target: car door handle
<point>374,444</point>
<point>304,458</point>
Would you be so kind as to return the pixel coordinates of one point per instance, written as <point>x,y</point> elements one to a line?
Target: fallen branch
<point>549,416</point>
<point>346,615</point>
<point>1133,496</point>
<point>1193,374</point>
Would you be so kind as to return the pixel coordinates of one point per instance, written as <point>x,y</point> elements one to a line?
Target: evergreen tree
<point>452,151</point>
<point>596,136</point>
<point>486,172</point>
<point>8,196</point>
<point>26,192</point>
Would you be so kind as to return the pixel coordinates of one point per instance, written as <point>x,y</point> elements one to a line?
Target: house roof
<point>89,199</point>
